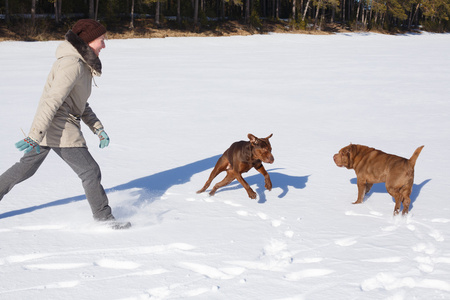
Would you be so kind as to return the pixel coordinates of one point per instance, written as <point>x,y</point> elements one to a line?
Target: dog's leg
<point>251,193</point>
<point>368,187</point>
<point>268,182</point>
<point>361,191</point>
<point>220,166</point>
<point>398,202</point>
<point>406,200</point>
<point>398,198</point>
<point>226,181</point>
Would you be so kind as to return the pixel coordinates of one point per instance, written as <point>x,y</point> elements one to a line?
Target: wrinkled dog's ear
<point>252,138</point>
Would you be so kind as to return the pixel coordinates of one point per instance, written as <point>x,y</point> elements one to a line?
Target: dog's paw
<point>251,194</point>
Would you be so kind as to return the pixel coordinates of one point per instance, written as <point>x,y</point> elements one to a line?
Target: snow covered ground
<point>171,107</point>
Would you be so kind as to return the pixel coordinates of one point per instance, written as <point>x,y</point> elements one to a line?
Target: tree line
<point>431,15</point>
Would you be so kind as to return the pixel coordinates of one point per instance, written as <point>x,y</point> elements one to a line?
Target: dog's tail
<point>415,155</point>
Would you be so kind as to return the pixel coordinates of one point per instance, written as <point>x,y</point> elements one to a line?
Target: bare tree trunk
<point>343,11</point>
<point>413,17</point>
<point>223,10</point>
<point>322,18</point>
<point>60,9</point>
<point>301,7</point>
<point>55,5</point>
<point>96,11</point>
<point>132,15</point>
<point>357,14</point>
<point>178,12</point>
<point>33,12</point>
<point>158,7</point>
<point>294,9</point>
<point>277,9</point>
<point>306,10</point>
<point>195,12</point>
<point>317,13</point>
<point>247,11</point>
<point>7,11</point>
<point>91,9</point>
<point>333,13</point>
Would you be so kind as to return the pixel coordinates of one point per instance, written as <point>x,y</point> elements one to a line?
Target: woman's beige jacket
<point>63,103</point>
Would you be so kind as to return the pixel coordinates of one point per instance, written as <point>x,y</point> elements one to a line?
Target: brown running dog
<point>374,166</point>
<point>240,158</point>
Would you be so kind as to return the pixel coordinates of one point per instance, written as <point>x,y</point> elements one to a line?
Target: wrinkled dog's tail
<point>415,155</point>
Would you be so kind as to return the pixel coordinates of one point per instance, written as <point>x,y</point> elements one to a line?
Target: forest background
<point>50,19</point>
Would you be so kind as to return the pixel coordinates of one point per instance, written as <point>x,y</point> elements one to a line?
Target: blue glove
<point>28,144</point>
<point>104,139</point>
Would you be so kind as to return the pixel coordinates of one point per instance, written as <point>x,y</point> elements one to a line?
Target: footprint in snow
<point>389,282</point>
<point>61,266</point>
<point>115,264</point>
<point>345,242</point>
<point>231,203</point>
<point>372,214</point>
<point>211,272</point>
<point>426,248</point>
<point>440,220</point>
<point>308,273</point>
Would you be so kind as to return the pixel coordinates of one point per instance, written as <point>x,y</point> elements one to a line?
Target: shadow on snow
<point>381,188</point>
<point>154,186</point>
<point>279,180</point>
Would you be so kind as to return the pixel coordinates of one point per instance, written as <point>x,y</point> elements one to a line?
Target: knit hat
<point>88,29</point>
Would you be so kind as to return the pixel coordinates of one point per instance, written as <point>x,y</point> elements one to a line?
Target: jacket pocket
<point>74,119</point>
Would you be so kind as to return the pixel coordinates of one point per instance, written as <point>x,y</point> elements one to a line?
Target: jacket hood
<point>75,46</point>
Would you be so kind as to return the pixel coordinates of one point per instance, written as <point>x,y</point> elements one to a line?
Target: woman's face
<point>98,44</point>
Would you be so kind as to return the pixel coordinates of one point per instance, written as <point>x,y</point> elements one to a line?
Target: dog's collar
<point>258,165</point>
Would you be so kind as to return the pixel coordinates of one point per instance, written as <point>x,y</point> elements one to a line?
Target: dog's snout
<point>337,160</point>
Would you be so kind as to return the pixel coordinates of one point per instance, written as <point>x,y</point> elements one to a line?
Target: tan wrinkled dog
<point>374,166</point>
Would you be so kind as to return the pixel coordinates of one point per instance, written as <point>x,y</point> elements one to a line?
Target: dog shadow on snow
<point>152,187</point>
<point>279,180</point>
<point>381,188</point>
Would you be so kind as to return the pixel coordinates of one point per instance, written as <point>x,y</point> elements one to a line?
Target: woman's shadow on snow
<point>381,188</point>
<point>279,180</point>
<point>148,188</point>
<point>152,187</point>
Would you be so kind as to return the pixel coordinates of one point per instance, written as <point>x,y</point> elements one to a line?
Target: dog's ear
<point>252,138</point>
<point>351,150</point>
<point>269,136</point>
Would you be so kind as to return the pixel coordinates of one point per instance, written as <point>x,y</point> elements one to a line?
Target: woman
<point>56,125</point>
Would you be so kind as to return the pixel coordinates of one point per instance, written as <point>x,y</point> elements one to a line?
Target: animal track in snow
<point>296,276</point>
<point>289,234</point>
<point>372,214</point>
<point>208,271</point>
<point>308,260</point>
<point>127,251</point>
<point>426,248</point>
<point>393,259</point>
<point>114,264</point>
<point>390,282</point>
<point>40,227</point>
<point>231,203</point>
<point>62,266</point>
<point>242,213</point>
<point>440,220</point>
<point>345,242</point>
